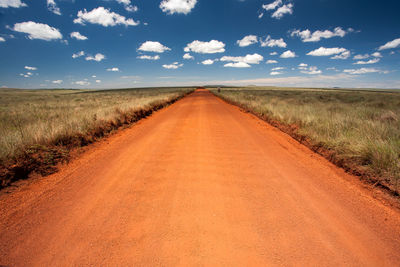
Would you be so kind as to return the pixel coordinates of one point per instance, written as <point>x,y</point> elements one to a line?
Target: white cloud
<point>358,57</point>
<point>280,11</point>
<point>277,68</point>
<point>98,81</point>
<point>30,68</point>
<point>272,5</point>
<point>273,53</point>
<point>172,66</point>
<point>363,71</point>
<point>371,61</point>
<point>210,47</point>
<point>312,70</point>
<point>156,57</point>
<point>94,76</point>
<point>285,9</point>
<point>128,5</point>
<point>271,61</point>
<point>57,81</point>
<point>303,65</point>
<point>376,54</point>
<point>339,52</point>
<point>273,42</point>
<point>207,62</point>
<point>78,36</point>
<point>344,55</point>
<point>389,45</point>
<point>247,40</point>
<point>98,57</point>
<point>38,31</point>
<point>52,7</point>
<point>2,39</point>
<point>79,54</point>
<point>288,54</point>
<point>103,17</point>
<point>248,59</point>
<point>237,65</point>
<point>82,83</point>
<point>188,56</point>
<point>156,47</point>
<point>177,6</point>
<point>114,69</point>
<point>12,3</point>
<point>274,73</point>
<point>307,36</point>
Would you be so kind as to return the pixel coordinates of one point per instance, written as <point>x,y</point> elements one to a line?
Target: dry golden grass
<point>360,127</point>
<point>46,117</point>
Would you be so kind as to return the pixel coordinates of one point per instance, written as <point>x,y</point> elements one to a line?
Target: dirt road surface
<point>199,183</point>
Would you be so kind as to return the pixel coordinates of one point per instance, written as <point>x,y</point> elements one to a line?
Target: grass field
<point>359,128</point>
<point>32,120</point>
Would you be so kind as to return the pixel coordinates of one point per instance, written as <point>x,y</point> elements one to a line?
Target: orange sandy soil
<point>198,183</point>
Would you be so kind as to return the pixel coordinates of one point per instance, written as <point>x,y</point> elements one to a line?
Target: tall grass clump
<point>356,129</point>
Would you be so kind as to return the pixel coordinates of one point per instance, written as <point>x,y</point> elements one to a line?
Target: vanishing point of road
<point>199,183</point>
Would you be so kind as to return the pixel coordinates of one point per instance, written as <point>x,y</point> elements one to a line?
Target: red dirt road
<point>197,184</point>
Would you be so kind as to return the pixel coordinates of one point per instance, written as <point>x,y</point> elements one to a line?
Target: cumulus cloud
<point>81,83</point>
<point>2,39</point>
<point>114,69</point>
<point>30,68</point>
<point>156,57</point>
<point>277,68</point>
<point>210,47</point>
<point>280,12</point>
<point>376,54</point>
<point>103,17</point>
<point>38,31</point>
<point>363,71</point>
<point>207,62</point>
<point>78,36</point>
<point>288,54</point>
<point>12,3</point>
<point>79,54</point>
<point>308,36</point>
<point>247,40</point>
<point>338,52</point>
<point>271,61</point>
<point>172,66</point>
<point>98,81</point>
<point>98,57</point>
<point>272,5</point>
<point>27,75</point>
<point>371,61</point>
<point>248,59</point>
<point>279,7</point>
<point>57,81</point>
<point>273,42</point>
<point>273,53</point>
<point>128,5</point>
<point>177,6</point>
<point>358,57</point>
<point>390,45</point>
<point>344,55</point>
<point>188,56</point>
<point>52,7</point>
<point>274,73</point>
<point>237,65</point>
<point>150,46</point>
<point>312,70</point>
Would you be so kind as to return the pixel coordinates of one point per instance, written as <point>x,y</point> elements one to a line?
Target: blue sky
<point>137,43</point>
